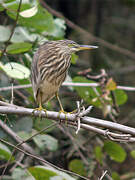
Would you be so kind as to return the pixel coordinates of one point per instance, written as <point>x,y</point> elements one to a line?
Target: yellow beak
<point>84,47</point>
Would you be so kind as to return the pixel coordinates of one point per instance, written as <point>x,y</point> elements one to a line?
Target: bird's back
<point>48,70</point>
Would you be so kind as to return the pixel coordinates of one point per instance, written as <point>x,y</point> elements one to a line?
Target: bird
<point>49,69</point>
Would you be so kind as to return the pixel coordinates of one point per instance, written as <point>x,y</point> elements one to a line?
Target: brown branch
<point>88,34</point>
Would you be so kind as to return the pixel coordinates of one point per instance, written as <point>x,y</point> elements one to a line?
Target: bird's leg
<point>40,108</point>
<point>61,107</point>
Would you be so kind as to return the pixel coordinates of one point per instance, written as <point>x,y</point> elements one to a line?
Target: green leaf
<point>1,8</point>
<point>48,173</point>
<point>41,173</point>
<point>5,153</point>
<point>4,33</point>
<point>22,34</point>
<point>74,58</point>
<point>98,153</point>
<point>132,153</point>
<point>46,141</point>
<point>21,174</point>
<point>18,48</point>
<point>59,28</point>
<point>77,166</point>
<point>24,135</point>
<point>87,93</point>
<point>115,151</point>
<point>121,96</point>
<point>115,176</point>
<point>8,1</point>
<point>16,70</point>
<point>29,12</point>
<point>39,124</point>
<point>23,124</point>
<point>42,21</point>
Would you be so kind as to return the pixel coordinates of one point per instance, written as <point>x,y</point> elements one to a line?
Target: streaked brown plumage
<point>50,66</point>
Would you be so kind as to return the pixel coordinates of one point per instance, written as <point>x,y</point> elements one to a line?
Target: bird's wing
<point>35,74</point>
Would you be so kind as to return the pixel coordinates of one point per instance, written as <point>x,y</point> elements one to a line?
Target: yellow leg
<point>40,108</point>
<point>61,107</point>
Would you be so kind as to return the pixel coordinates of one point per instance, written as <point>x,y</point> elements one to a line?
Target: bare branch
<point>86,122</point>
<point>77,84</point>
<point>103,175</point>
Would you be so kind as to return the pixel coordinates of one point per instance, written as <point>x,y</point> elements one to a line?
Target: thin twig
<point>13,29</point>
<point>76,146</point>
<point>103,175</point>
<point>20,142</point>
<point>74,84</point>
<point>42,160</point>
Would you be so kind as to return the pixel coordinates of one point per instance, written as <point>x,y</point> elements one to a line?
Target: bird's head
<point>70,47</point>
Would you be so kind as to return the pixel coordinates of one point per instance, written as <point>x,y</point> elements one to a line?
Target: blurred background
<point>109,24</point>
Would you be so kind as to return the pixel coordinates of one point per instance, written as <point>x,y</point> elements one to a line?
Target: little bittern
<point>49,68</point>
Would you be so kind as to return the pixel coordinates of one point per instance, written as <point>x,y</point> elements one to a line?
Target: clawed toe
<point>40,109</point>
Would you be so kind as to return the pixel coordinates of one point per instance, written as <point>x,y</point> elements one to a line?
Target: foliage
<point>36,25</point>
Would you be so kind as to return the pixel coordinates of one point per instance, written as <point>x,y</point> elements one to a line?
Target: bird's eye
<point>72,45</point>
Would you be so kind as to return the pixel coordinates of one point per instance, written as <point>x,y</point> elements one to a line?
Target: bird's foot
<point>40,108</point>
<point>73,112</point>
<point>64,112</point>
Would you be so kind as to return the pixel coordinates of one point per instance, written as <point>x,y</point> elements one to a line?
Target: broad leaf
<point>74,58</point>
<point>46,141</point>
<point>77,166</point>
<point>115,151</point>
<point>5,153</point>
<point>21,34</point>
<point>21,174</point>
<point>16,70</point>
<point>48,173</point>
<point>18,48</point>
<point>115,176</point>
<point>29,12</point>
<point>41,21</point>
<point>4,33</point>
<point>59,28</point>
<point>23,124</point>
<point>87,93</point>
<point>98,154</point>
<point>121,96</point>
<point>132,153</point>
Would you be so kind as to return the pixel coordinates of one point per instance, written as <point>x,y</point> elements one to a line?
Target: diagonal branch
<point>41,160</point>
<point>13,29</point>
